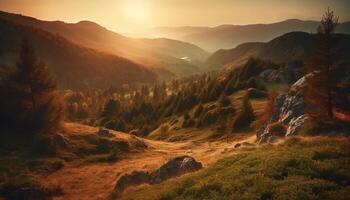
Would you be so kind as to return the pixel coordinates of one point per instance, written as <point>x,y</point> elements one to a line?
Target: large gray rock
<point>295,125</point>
<point>288,108</point>
<point>173,168</point>
<point>288,73</point>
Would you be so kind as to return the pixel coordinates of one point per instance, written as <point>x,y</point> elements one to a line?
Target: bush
<point>209,117</point>
<point>316,126</point>
<point>254,93</point>
<point>277,129</point>
<point>110,124</point>
<point>188,123</point>
<point>163,129</point>
<point>243,120</point>
<point>198,110</point>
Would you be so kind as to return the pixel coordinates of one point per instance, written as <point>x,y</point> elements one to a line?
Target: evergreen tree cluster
<point>143,110</point>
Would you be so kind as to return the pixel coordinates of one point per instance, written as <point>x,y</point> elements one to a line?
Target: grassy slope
<point>309,168</point>
<point>23,166</point>
<point>177,133</point>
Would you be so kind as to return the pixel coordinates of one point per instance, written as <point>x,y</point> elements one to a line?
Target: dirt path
<point>96,181</point>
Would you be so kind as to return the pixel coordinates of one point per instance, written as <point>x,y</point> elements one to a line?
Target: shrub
<point>188,123</point>
<point>209,117</point>
<point>316,126</point>
<point>186,116</point>
<point>163,129</point>
<point>198,110</point>
<point>110,124</point>
<point>277,129</point>
<point>254,93</point>
<point>243,120</point>
<point>268,110</point>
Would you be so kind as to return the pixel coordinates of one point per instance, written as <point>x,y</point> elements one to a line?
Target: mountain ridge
<point>74,66</point>
<point>289,47</point>
<point>229,36</point>
<point>155,53</point>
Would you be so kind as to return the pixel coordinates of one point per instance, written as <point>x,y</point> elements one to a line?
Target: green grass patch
<point>298,169</point>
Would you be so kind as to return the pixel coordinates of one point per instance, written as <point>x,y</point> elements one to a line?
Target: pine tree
<point>29,98</point>
<point>321,84</point>
<point>111,108</point>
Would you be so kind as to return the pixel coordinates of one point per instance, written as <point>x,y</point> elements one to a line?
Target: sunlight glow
<point>137,10</point>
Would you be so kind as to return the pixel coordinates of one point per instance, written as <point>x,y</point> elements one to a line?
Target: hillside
<point>294,46</point>
<point>299,168</point>
<point>157,53</point>
<point>74,66</point>
<point>229,36</point>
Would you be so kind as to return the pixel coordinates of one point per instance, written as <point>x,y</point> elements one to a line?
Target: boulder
<point>295,125</point>
<point>133,179</point>
<point>173,168</point>
<point>243,145</point>
<point>61,140</point>
<point>288,108</point>
<point>103,132</point>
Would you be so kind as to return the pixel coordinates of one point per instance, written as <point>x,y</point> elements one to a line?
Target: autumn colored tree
<point>322,64</point>
<point>29,101</point>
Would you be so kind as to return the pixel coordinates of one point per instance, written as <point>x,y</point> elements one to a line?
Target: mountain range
<point>161,54</point>
<point>289,47</point>
<point>229,36</point>
<point>74,66</point>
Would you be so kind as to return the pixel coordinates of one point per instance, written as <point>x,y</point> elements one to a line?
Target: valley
<point>192,111</point>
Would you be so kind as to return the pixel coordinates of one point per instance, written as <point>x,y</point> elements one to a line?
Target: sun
<point>137,10</point>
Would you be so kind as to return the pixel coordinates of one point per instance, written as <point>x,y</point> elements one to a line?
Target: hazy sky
<point>135,15</point>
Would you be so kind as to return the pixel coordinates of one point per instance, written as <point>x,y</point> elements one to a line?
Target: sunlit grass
<point>298,169</point>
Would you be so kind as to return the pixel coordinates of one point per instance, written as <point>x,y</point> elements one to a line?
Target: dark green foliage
<point>102,150</point>
<point>277,129</point>
<point>198,110</point>
<point>29,103</point>
<point>209,117</point>
<point>138,107</point>
<point>186,116</point>
<point>243,120</point>
<point>110,124</point>
<point>254,93</point>
<point>120,126</point>
<point>27,187</point>
<point>111,108</point>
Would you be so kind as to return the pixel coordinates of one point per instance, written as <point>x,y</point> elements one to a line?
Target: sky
<point>137,15</point>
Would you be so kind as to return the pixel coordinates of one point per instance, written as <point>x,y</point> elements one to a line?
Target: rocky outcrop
<point>61,140</point>
<point>103,132</point>
<point>173,168</point>
<point>286,74</point>
<point>288,109</point>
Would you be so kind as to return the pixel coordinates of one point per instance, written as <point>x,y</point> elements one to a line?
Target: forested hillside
<point>74,66</point>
